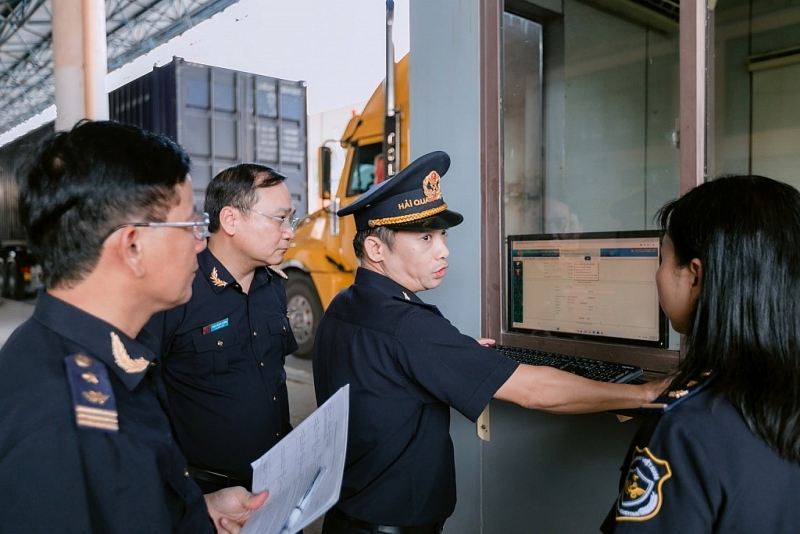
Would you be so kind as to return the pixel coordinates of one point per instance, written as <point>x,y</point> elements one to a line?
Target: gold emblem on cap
<point>90,377</point>
<point>95,397</point>
<point>432,187</point>
<point>215,279</point>
<point>82,360</point>
<point>123,359</point>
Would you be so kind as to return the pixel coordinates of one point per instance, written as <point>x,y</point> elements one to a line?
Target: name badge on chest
<point>215,326</point>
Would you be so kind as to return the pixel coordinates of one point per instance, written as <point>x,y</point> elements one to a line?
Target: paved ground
<point>301,403</point>
<point>298,372</point>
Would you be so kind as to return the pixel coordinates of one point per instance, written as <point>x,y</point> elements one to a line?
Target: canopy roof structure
<point>133,28</point>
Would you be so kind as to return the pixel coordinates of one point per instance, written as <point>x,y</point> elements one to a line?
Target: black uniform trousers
<point>337,522</point>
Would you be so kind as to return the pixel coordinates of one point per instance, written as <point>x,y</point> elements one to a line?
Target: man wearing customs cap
<point>85,444</point>
<point>407,365</point>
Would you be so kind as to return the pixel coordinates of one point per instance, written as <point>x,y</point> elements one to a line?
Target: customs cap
<point>410,200</point>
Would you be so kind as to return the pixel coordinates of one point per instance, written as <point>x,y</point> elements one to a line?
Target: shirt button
<point>275,399</point>
<point>277,434</point>
<point>255,334</point>
<point>186,473</point>
<point>261,364</point>
<point>219,343</point>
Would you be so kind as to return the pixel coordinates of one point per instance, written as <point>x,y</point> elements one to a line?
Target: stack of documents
<point>303,472</point>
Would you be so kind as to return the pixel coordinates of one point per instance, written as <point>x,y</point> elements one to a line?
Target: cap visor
<point>441,221</point>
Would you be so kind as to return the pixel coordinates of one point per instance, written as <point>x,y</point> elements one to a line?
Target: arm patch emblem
<point>641,496</point>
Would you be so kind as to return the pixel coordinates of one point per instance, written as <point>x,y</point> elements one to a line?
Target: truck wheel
<point>305,311</point>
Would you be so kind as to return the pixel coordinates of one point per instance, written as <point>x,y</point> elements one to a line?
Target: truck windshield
<point>363,171</point>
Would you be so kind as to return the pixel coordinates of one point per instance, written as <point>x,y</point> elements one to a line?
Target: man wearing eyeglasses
<point>85,444</point>
<point>225,349</point>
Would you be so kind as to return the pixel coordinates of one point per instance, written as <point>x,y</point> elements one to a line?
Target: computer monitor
<point>598,287</point>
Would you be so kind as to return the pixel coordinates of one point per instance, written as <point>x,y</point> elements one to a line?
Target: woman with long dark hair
<point>723,452</point>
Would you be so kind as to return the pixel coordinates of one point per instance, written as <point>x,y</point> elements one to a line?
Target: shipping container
<point>223,117</point>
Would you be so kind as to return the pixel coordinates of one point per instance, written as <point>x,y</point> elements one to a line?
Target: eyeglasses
<point>286,222</point>
<point>199,226</point>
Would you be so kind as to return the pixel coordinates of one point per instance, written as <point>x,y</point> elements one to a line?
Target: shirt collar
<point>219,278</point>
<point>386,285</point>
<point>125,357</point>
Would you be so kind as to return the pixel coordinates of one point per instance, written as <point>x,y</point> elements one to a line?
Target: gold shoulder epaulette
<point>92,395</point>
<point>676,395</point>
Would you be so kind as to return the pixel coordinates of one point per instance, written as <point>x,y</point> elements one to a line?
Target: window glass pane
<point>776,123</point>
<point>590,105</point>
<point>362,176</point>
<point>754,95</point>
<point>522,124</point>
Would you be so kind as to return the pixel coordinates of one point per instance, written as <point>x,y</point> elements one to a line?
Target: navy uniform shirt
<point>698,468</point>
<point>224,353</point>
<point>85,445</point>
<point>406,366</point>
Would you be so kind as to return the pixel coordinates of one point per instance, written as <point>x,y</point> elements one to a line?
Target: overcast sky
<point>336,46</point>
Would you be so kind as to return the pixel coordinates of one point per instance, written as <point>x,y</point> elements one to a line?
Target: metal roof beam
<point>133,28</point>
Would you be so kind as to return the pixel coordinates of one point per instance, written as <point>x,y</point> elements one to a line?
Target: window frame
<point>692,86</point>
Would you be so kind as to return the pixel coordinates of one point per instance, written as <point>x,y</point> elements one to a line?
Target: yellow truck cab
<point>320,261</point>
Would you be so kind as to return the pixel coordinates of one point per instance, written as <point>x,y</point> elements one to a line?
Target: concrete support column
<point>79,61</point>
<point>95,59</point>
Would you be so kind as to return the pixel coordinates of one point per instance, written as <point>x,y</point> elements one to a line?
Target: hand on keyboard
<point>585,367</point>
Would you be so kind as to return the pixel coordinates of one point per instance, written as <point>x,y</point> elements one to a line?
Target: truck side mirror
<point>324,172</point>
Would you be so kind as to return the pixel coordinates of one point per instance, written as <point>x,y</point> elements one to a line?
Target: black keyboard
<point>585,367</point>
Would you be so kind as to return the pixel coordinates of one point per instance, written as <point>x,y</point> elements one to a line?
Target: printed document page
<point>303,472</point>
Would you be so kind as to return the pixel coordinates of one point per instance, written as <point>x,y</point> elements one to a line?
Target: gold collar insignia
<point>123,359</point>
<point>406,296</point>
<point>215,279</point>
<point>278,271</point>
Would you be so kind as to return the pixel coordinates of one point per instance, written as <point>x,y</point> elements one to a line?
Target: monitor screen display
<point>597,287</point>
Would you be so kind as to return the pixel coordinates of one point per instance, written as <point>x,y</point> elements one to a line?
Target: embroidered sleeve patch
<point>641,496</point>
